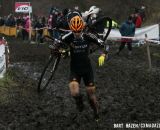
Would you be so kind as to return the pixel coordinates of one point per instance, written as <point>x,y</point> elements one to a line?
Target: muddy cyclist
<point>80,65</point>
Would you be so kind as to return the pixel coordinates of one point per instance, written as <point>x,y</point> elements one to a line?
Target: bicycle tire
<point>48,72</point>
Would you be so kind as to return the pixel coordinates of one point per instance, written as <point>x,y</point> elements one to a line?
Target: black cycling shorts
<point>88,77</point>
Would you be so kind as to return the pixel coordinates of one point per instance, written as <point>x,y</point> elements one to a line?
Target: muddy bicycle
<point>58,53</point>
<point>51,66</point>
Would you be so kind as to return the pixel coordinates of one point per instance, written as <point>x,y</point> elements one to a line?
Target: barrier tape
<point>134,38</point>
<point>64,30</point>
<point>31,28</point>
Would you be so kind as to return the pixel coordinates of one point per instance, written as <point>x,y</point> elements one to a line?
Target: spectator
<point>25,30</point>
<point>127,29</point>
<point>133,18</point>
<point>18,21</point>
<point>51,10</point>
<point>1,21</point>
<point>24,34</point>
<point>39,27</point>
<point>10,20</point>
<point>54,24</point>
<point>138,20</point>
<point>19,24</point>
<point>27,22</point>
<point>43,20</point>
<point>62,19</point>
<point>142,12</point>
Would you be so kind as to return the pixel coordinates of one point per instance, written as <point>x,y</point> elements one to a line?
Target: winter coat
<point>27,24</point>
<point>138,22</point>
<point>127,29</point>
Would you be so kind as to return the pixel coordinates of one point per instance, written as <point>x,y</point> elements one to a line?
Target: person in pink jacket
<point>27,24</point>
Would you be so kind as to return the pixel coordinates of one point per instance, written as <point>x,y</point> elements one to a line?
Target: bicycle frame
<point>51,67</point>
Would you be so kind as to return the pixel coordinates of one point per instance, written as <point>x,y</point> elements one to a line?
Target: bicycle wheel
<point>48,72</point>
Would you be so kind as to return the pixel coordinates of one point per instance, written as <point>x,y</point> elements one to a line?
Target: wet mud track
<point>126,90</point>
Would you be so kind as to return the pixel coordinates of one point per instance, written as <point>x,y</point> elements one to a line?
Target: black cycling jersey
<point>80,66</point>
<point>79,48</point>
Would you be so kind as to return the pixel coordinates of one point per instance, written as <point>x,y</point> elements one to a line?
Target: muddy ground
<point>126,90</point>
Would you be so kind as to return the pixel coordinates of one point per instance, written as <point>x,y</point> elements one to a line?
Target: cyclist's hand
<point>62,50</point>
<point>57,41</point>
<point>101,42</point>
<point>101,59</point>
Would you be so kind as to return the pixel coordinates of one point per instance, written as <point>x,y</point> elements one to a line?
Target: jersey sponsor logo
<point>80,46</point>
<point>79,51</point>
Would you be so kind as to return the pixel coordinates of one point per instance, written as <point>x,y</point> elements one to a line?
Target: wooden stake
<point>30,26</point>
<point>148,53</point>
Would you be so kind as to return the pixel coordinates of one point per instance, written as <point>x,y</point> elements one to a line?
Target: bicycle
<point>54,59</point>
<point>52,64</point>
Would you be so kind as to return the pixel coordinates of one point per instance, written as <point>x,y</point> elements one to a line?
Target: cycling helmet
<point>93,10</point>
<point>72,14</point>
<point>65,11</point>
<point>92,7</point>
<point>76,24</point>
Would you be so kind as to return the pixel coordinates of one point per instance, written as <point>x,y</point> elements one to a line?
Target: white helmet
<point>93,10</point>
<point>92,7</point>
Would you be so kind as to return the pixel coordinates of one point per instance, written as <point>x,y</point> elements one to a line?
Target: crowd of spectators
<point>139,16</point>
<point>127,29</point>
<point>22,23</point>
<point>56,19</point>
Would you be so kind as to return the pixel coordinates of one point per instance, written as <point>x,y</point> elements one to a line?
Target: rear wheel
<point>48,72</point>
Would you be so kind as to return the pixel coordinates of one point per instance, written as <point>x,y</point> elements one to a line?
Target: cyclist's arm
<point>64,40</point>
<point>67,38</point>
<point>94,39</point>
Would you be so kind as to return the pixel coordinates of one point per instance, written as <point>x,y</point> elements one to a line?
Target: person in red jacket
<point>138,20</point>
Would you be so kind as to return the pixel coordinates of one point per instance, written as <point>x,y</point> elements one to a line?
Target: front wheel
<point>48,72</point>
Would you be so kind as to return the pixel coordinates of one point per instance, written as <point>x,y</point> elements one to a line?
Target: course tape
<point>36,29</point>
<point>134,38</point>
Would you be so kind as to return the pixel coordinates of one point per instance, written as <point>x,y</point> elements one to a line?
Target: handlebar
<point>58,46</point>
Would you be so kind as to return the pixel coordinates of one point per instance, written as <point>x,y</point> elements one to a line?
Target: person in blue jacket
<point>127,29</point>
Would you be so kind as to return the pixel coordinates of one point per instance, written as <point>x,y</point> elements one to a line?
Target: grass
<point>156,55</point>
<point>5,84</point>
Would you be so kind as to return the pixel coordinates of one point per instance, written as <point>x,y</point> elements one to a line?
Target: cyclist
<point>96,21</point>
<point>62,20</point>
<point>80,66</point>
